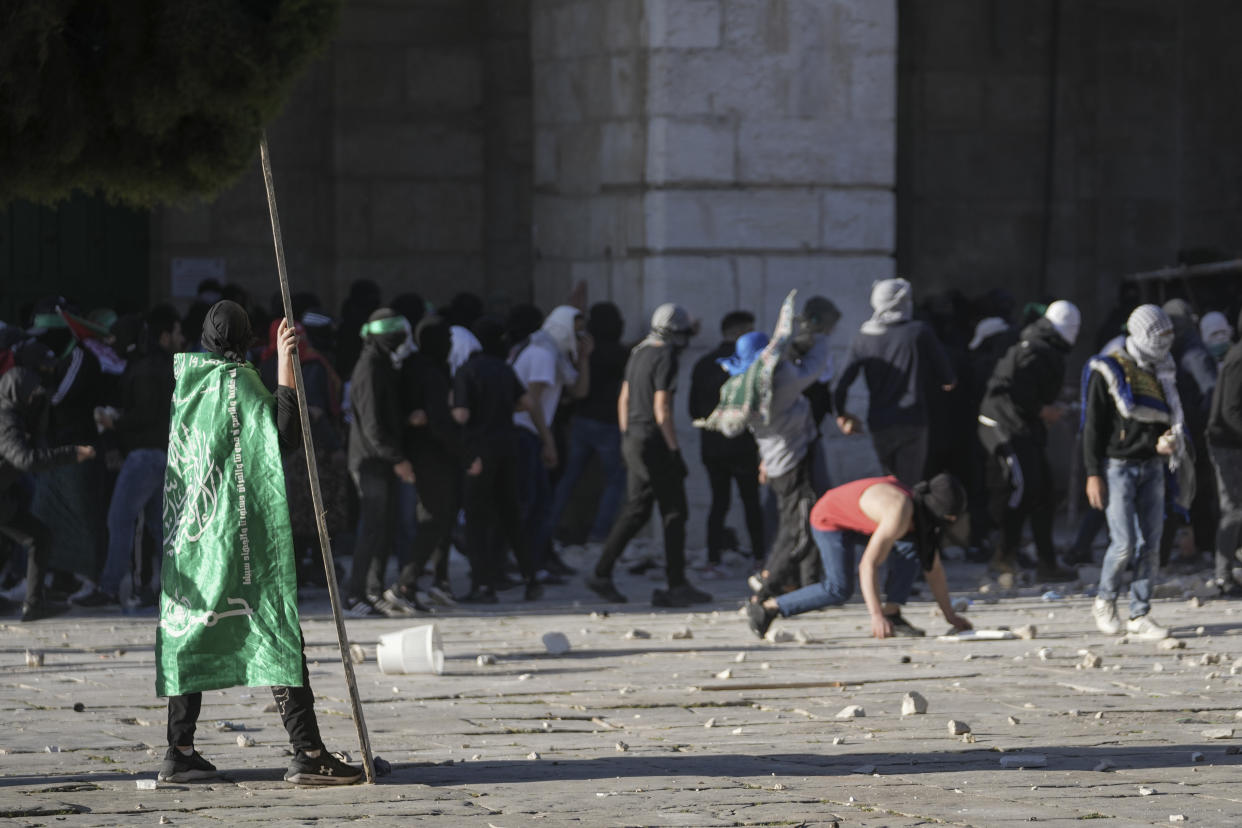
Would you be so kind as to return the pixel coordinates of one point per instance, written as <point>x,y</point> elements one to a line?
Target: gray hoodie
<point>784,441</point>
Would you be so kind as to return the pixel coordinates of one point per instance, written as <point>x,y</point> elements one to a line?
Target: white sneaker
<point>1146,629</point>
<point>1105,613</point>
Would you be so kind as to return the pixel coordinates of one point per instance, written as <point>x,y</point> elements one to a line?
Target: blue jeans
<point>839,551</point>
<point>586,438</point>
<point>139,490</point>
<point>1135,514</point>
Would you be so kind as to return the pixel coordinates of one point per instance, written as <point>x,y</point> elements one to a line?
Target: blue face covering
<point>748,348</point>
<point>1218,349</point>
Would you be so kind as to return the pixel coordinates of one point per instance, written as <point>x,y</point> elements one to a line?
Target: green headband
<point>388,325</point>
<point>49,320</point>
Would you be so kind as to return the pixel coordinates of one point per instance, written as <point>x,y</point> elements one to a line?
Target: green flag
<point>228,608</point>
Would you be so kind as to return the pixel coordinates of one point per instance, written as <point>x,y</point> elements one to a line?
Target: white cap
<point>1065,319</point>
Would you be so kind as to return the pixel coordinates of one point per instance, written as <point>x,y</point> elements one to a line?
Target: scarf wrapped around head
<point>672,325</point>
<point>560,325</point>
<point>1149,336</point>
<point>226,331</point>
<point>935,501</point>
<point>892,301</point>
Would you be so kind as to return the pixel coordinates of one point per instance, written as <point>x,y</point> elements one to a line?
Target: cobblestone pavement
<point>698,724</point>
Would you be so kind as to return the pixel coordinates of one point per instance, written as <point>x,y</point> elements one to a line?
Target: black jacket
<point>146,401</point>
<point>426,386</point>
<point>375,399</point>
<point>1224,426</point>
<point>1029,376</point>
<point>1106,434</point>
<point>22,429</point>
<point>705,381</point>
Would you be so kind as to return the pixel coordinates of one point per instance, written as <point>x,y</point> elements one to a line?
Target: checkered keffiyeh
<point>1149,335</point>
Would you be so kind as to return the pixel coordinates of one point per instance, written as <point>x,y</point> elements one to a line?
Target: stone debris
<point>78,707</point>
<point>1091,661</point>
<point>165,821</point>
<point>1218,733</point>
<point>904,659</point>
<point>961,604</point>
<point>838,740</point>
<point>1196,756</point>
<point>485,660</point>
<point>683,634</point>
<point>1209,658</point>
<point>625,691</point>
<point>1013,720</point>
<point>1177,817</point>
<point>1144,791</point>
<point>526,676</point>
<point>34,658</point>
<point>1195,602</point>
<point>1027,632</point>
<point>781,637</point>
<point>913,704</point>
<point>1157,667</point>
<point>356,654</point>
<point>1200,630</point>
<point>1024,760</point>
<point>51,749</point>
<point>1172,644</point>
<point>778,787</point>
<point>737,731</point>
<point>225,727</point>
<point>957,728</point>
<point>532,755</point>
<point>710,723</point>
<point>1099,714</point>
<point>145,784</point>
<point>635,633</point>
<point>556,643</point>
<point>765,665</point>
<point>725,674</point>
<point>1103,766</point>
<point>598,616</point>
<point>382,767</point>
<point>245,741</point>
<point>622,747</point>
<point>739,658</point>
<point>803,637</point>
<point>1044,653</point>
<point>853,711</point>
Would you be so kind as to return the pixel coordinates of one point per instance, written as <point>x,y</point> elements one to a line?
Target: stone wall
<point>717,153</point>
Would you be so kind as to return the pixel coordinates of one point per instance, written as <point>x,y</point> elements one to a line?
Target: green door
<point>92,252</point>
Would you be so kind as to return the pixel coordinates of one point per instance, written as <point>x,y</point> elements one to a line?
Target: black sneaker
<point>682,595</point>
<point>606,589</point>
<point>42,609</point>
<point>534,591</point>
<point>903,628</point>
<point>759,617</point>
<point>324,769</point>
<point>385,607</point>
<point>504,582</point>
<point>480,595</point>
<point>178,767</point>
<point>408,604</point>
<point>95,598</point>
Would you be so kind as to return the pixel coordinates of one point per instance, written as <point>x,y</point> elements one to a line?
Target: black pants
<point>652,475</point>
<point>377,527</point>
<point>494,514</point>
<point>794,558</point>
<point>722,473</point>
<point>295,704</point>
<point>30,533</point>
<point>437,485</point>
<point>1019,487</point>
<point>1226,463</point>
<point>902,451</point>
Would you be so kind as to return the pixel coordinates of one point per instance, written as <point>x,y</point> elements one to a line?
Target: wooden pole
<point>312,468</point>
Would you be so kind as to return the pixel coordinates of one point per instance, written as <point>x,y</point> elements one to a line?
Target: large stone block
<point>683,24</point>
<point>623,147</point>
<point>704,285</point>
<point>411,23</point>
<point>546,150</point>
<point>859,220</point>
<point>690,151</point>
<point>437,150</point>
<point>369,76</point>
<point>578,160</point>
<point>689,83</point>
<point>579,28</point>
<point>444,78</point>
<point>625,25</point>
<point>420,216</point>
<point>732,220</point>
<point>353,216</point>
<point>816,152</point>
<point>873,89</point>
<point>846,280</point>
<point>757,26</point>
<point>555,93</point>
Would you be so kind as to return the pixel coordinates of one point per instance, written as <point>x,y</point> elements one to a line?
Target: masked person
<point>1224,439</point>
<point>881,516</point>
<point>1216,333</point>
<point>655,470</point>
<point>899,357</point>
<point>377,464</point>
<point>23,431</point>
<point>1133,430</point>
<point>1018,406</point>
<point>228,608</point>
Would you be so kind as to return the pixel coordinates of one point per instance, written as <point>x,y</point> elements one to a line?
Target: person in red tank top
<point>880,516</point>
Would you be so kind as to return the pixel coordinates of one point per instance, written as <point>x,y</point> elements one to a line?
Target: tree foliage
<point>144,100</point>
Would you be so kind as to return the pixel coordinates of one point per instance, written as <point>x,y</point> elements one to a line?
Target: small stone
<point>905,659</point>
<point>1177,817</point>
<point>853,711</point>
<point>165,821</point>
<point>1024,760</point>
<point>382,767</point>
<point>598,616</point>
<point>961,604</point>
<point>968,738</point>
<point>556,643</point>
<point>765,666</point>
<point>1195,602</point>
<point>356,654</point>
<point>913,704</point>
<point>737,731</point>
<point>1157,667</point>
<point>683,634</point>
<point>1026,631</point>
<point>51,749</point>
<point>34,658</point>
<point>270,707</point>
<point>739,658</point>
<point>1103,766</point>
<point>145,784</point>
<point>625,691</point>
<point>245,741</point>
<point>622,747</point>
<point>1099,714</point>
<point>225,727</point>
<point>1218,733</point>
<point>838,740</point>
<point>1091,661</point>
<point>1144,791</point>
<point>1013,720</point>
<point>1200,630</point>
<point>78,707</point>
<point>782,637</point>
<point>526,676</point>
<point>1172,644</point>
<point>532,755</point>
<point>476,757</point>
<point>710,723</point>
<point>485,660</point>
<point>803,637</point>
<point>1044,653</point>
<point>1196,756</point>
<point>866,770</point>
<point>957,728</point>
<point>725,674</point>
<point>778,787</point>
<point>630,635</point>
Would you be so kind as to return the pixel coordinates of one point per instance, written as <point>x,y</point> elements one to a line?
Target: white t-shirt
<point>539,363</point>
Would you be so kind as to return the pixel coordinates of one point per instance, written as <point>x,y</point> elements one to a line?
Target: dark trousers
<point>377,526</point>
<point>902,451</point>
<point>295,704</point>
<point>493,512</point>
<point>1228,465</point>
<point>722,473</point>
<point>1019,484</point>
<point>30,533</point>
<point>535,494</point>
<point>436,516</point>
<point>793,559</point>
<point>653,475</point>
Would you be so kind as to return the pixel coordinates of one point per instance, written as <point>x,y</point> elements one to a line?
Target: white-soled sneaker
<point>1105,613</point>
<point>1146,629</point>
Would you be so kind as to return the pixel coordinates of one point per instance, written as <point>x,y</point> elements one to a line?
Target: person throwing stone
<point>880,516</point>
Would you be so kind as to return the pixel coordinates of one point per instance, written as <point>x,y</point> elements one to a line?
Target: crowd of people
<point>479,425</point>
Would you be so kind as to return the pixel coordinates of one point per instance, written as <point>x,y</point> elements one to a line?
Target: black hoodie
<point>23,403</point>
<point>1029,376</point>
<point>375,399</point>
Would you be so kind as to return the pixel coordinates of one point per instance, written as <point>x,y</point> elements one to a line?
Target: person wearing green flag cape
<point>228,604</point>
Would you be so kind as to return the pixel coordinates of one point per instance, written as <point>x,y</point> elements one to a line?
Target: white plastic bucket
<point>412,650</point>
